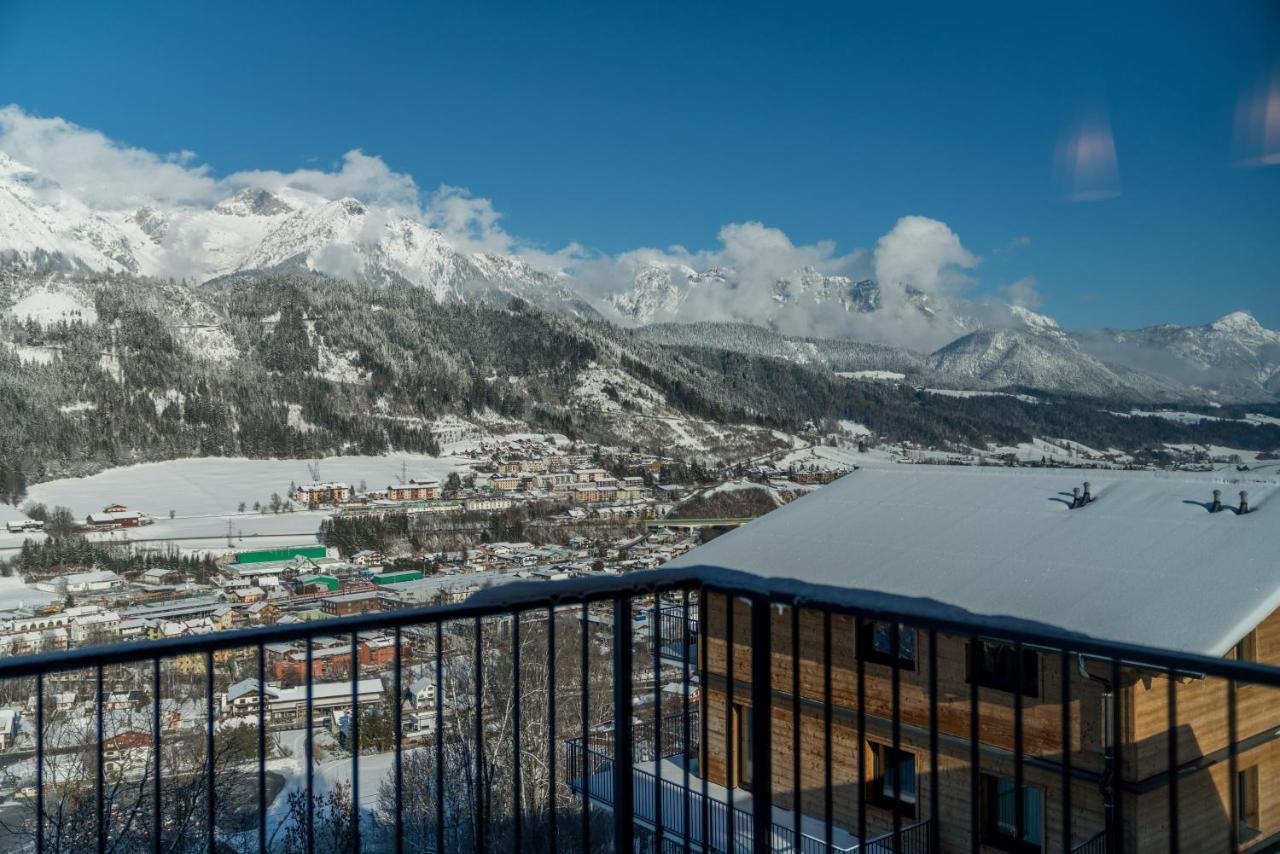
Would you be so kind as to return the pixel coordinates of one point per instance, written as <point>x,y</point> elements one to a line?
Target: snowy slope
<point>1234,356</point>
<point>1047,359</point>
<point>44,228</point>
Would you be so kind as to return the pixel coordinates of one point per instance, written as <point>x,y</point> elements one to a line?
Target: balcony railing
<point>1094,845</point>
<point>159,761</point>
<point>689,817</point>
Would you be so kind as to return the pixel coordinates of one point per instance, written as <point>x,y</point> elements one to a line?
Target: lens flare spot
<point>1086,168</point>
<point>1257,133</point>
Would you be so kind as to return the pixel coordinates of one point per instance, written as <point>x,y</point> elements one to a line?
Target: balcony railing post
<point>761,726</point>
<point>40,763</point>
<point>623,803</point>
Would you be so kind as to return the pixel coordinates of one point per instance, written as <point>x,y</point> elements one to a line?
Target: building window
<point>876,644</point>
<point>1247,649</point>
<point>1247,798</point>
<point>742,717</point>
<point>1000,816</point>
<point>893,779</point>
<point>997,668</point>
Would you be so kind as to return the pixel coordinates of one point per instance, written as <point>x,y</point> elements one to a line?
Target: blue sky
<point>621,126</point>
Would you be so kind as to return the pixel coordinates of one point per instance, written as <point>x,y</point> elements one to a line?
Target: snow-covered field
<point>209,485</point>
<point>953,392</point>
<point>15,594</point>
<point>205,494</point>
<point>374,769</point>
<point>871,375</point>
<point>1170,415</point>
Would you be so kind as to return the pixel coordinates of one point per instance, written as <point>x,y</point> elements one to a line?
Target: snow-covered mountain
<point>663,293</point>
<point>806,301</point>
<point>45,228</point>
<point>1235,356</point>
<point>1043,358</point>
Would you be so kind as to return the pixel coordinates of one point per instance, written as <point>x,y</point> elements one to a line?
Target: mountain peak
<point>1237,321</point>
<point>1034,319</point>
<point>253,201</point>
<point>13,168</point>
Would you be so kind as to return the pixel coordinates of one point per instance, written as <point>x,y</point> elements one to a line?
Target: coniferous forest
<point>295,365</point>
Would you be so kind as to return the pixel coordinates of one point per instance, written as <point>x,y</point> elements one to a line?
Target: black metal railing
<point>852,735</point>
<point>684,808</point>
<point>649,743</point>
<point>1096,844</point>
<point>677,633</point>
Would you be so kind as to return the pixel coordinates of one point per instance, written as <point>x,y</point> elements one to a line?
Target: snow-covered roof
<point>1145,563</point>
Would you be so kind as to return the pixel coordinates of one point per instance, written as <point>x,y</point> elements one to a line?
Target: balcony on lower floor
<point>678,809</point>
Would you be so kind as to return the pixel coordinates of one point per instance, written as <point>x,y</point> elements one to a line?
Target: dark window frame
<point>1249,803</point>
<point>867,644</point>
<point>997,668</point>
<point>743,761</point>
<point>877,793</point>
<point>989,826</point>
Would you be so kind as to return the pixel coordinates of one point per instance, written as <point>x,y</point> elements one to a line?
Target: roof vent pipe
<point>1244,502</point>
<point>1216,506</point>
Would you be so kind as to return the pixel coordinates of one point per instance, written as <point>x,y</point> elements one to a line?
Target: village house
<point>415,490</point>
<point>310,583</point>
<point>322,493</point>
<point>586,493</point>
<point>505,482</point>
<point>159,575</point>
<point>367,557</point>
<point>474,505</point>
<point>555,481</point>
<point>80,583</point>
<point>346,604</point>
<point>9,720</point>
<point>1133,558</point>
<point>126,754</point>
<point>226,618</point>
<point>115,516</point>
<point>589,475</point>
<point>290,704</point>
<point>261,614</point>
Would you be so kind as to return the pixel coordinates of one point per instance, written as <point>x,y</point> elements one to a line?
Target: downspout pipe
<point>1108,741</point>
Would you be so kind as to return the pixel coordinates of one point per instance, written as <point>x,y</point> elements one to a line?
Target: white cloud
<point>360,176</point>
<point>767,274</point>
<point>101,171</point>
<point>924,254</point>
<point>1024,293</point>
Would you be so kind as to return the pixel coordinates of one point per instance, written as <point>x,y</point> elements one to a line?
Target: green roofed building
<point>286,553</point>
<point>313,583</point>
<point>397,577</point>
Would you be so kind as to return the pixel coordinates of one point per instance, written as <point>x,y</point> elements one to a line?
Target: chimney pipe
<point>1088,497</point>
<point>1244,502</point>
<point>1216,507</point>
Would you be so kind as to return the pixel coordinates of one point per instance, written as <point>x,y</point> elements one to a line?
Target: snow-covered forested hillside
<point>104,370</point>
<point>45,227</point>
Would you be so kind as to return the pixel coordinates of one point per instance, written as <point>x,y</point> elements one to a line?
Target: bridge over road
<point>695,524</point>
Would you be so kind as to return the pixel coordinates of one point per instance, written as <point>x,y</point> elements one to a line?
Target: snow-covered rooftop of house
<point>1145,563</point>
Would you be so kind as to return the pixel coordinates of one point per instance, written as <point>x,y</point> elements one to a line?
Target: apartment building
<point>1133,558</point>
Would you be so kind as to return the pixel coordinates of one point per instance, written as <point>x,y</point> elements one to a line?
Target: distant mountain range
<point>44,229</point>
<point>1233,359</point>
